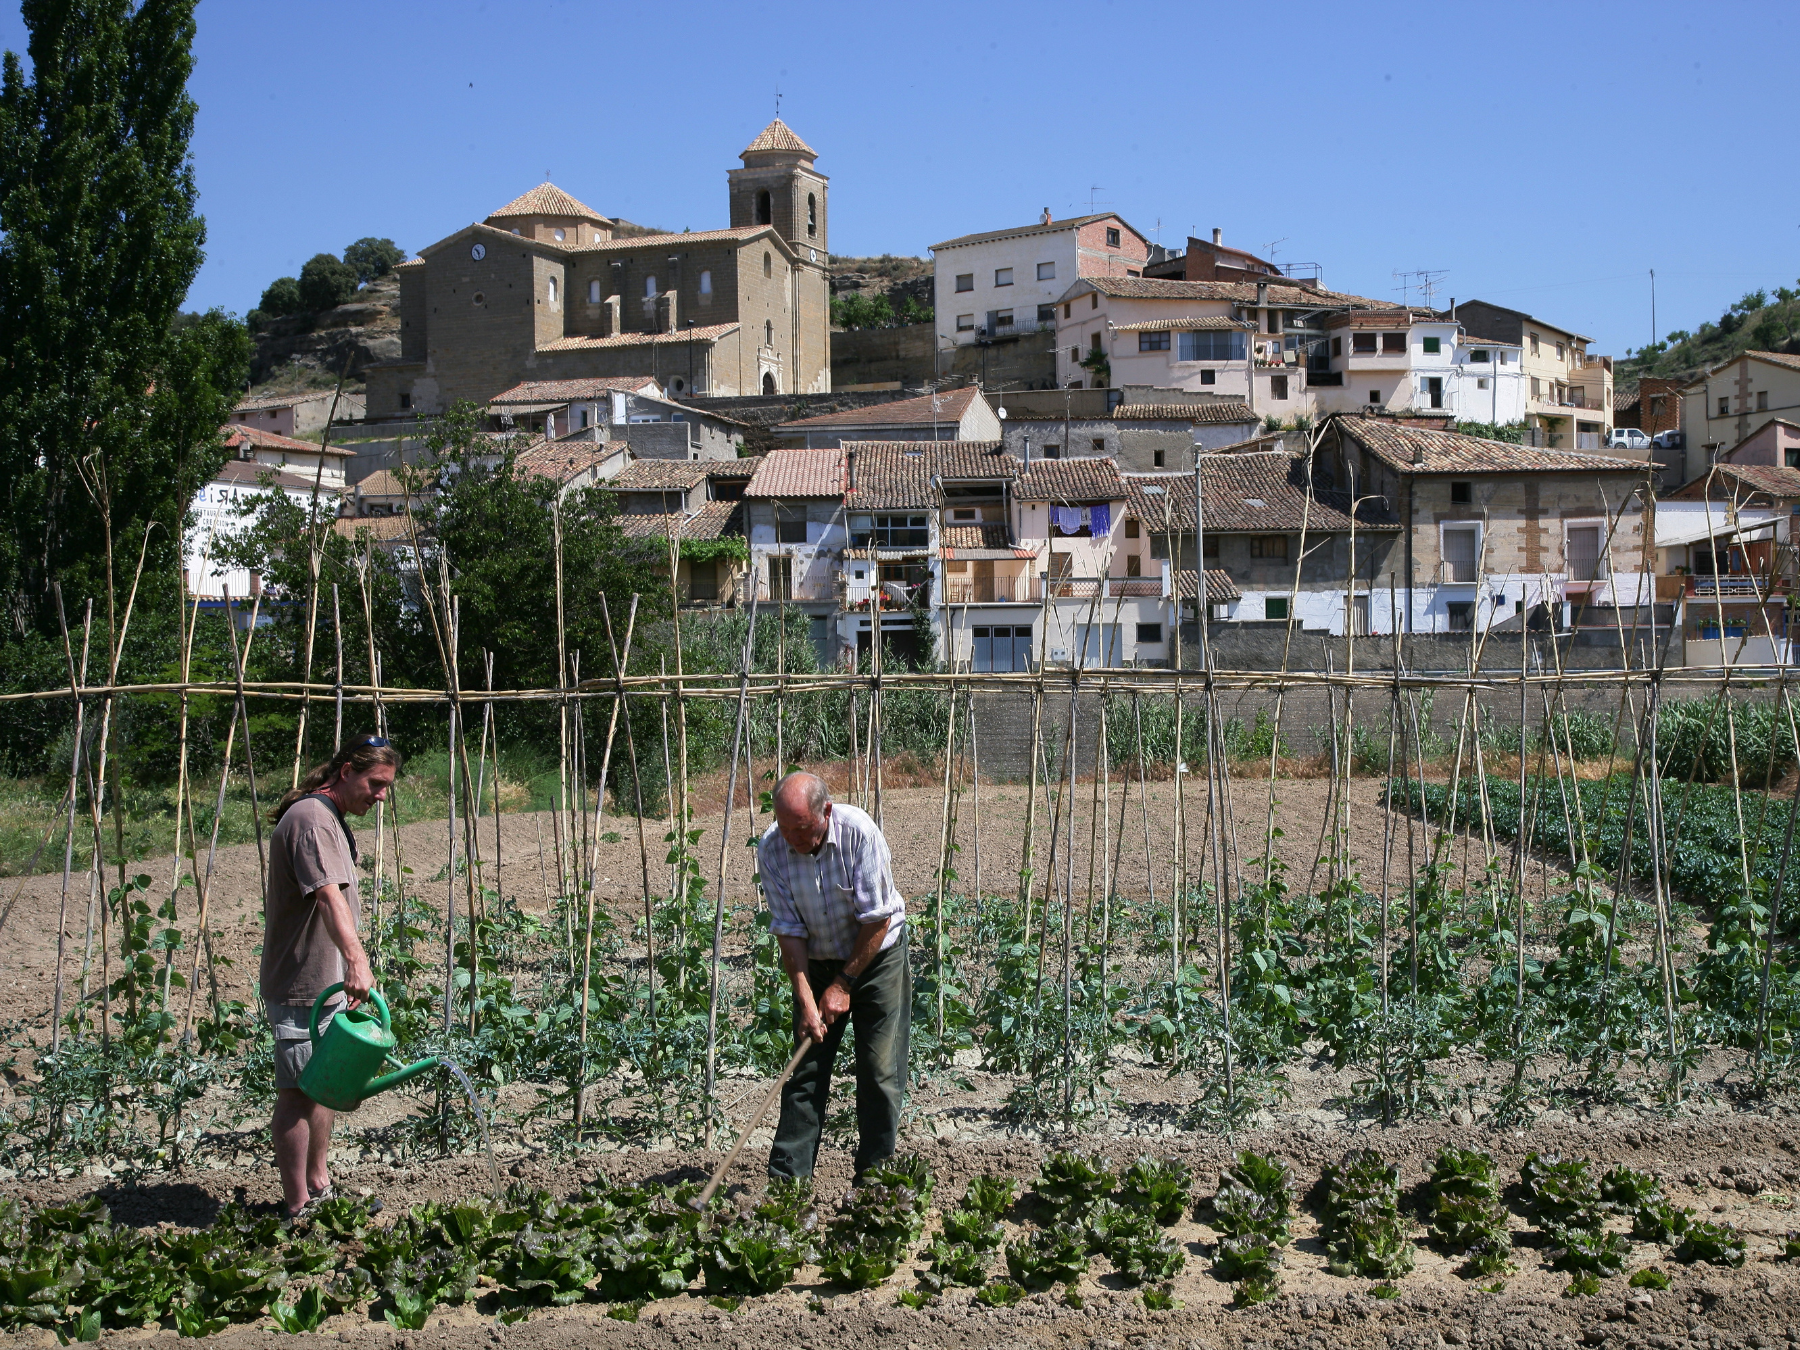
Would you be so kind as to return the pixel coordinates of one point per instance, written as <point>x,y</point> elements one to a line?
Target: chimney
<point>609,317</point>
<point>1218,237</point>
<point>1046,217</point>
<point>1262,295</point>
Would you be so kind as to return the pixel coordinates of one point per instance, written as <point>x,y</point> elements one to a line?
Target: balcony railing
<point>1457,573</point>
<point>1729,586</point>
<point>982,591</point>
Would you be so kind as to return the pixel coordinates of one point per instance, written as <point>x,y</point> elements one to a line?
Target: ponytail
<point>361,755</point>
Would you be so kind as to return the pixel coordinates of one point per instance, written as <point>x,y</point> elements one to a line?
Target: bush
<point>371,258</point>
<point>325,283</point>
<point>282,298</point>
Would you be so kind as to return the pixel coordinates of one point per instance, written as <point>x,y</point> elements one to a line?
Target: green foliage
<point>1056,1254</point>
<point>955,1263</point>
<point>871,1231</point>
<point>1582,1286</point>
<point>1513,433</point>
<point>1254,1200</point>
<point>999,1294</point>
<point>369,258</point>
<point>1362,1227</point>
<point>325,283</point>
<point>1715,1244</point>
<point>1649,1278</point>
<point>280,298</point>
<point>974,1228</point>
<point>305,1313</point>
<point>1070,1182</point>
<point>1467,1217</point>
<point>1162,1299</point>
<point>757,1257</point>
<point>856,310</point>
<point>1157,1187</point>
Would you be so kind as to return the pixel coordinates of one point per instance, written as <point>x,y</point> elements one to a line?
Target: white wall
<point>1022,254</point>
<point>214,516</point>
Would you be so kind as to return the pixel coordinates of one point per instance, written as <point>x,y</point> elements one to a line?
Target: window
<point>1462,494</point>
<point>559,236</point>
<point>1724,402</point>
<point>1278,388</point>
<point>1003,276</point>
<point>812,214</point>
<point>1275,607</point>
<point>888,531</point>
<point>1656,405</point>
<point>1482,382</point>
<point>1075,355</point>
<point>768,265</point>
<point>593,292</point>
<point>1362,344</point>
<point>1046,313</point>
<point>1209,377</point>
<point>1374,397</point>
<point>1504,358</point>
<point>1461,549</point>
<point>1536,387</point>
<point>1478,356</point>
<point>1134,565</point>
<point>1099,445</point>
<point>1393,344</point>
<point>1047,271</point>
<point>965,281</point>
<point>649,288</point>
<point>1559,351</point>
<point>1094,300</point>
<point>765,214</point>
<point>1159,464</point>
<point>1762,400</point>
<point>1112,237</point>
<point>406,402</point>
<point>1337,346</point>
<point>1149,633</point>
<point>1271,546</point>
<point>1462,615</point>
<point>1212,346</point>
<point>1211,550</point>
<point>790,524</point>
<point>552,292</point>
<point>1053,451</point>
<point>706,283</point>
<point>1793,455</point>
<point>781,578</point>
<point>1131,523</point>
<point>1094,341</point>
<point>1534,344</point>
<point>1274,320</point>
<point>965,513</point>
<point>965,323</point>
<point>1584,553</point>
<point>768,332</point>
<point>1431,346</point>
<point>1153,342</point>
<point>1066,309</point>
<point>1003,318</point>
<point>1433,389</point>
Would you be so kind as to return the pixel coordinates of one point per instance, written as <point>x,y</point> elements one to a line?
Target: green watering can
<point>346,1062</point>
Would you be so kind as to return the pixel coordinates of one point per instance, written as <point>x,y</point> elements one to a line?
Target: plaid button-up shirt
<point>826,897</point>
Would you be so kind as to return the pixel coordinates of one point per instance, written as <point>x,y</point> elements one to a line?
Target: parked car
<point>1670,440</point>
<point>1627,438</point>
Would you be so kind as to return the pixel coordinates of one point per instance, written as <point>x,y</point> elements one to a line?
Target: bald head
<point>803,810</point>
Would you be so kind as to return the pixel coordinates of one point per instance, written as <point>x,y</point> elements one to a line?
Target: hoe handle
<point>806,1043</point>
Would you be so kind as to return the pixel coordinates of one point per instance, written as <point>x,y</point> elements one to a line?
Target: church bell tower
<point>778,186</point>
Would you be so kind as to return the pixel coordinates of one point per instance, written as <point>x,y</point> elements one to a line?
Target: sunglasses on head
<point>372,742</point>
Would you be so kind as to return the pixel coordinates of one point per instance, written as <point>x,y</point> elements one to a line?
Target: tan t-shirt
<point>307,850</point>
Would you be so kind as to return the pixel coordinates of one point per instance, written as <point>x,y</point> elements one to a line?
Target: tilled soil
<point>1740,1170</point>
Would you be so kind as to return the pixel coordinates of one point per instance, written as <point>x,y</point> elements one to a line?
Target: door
<point>982,657</point>
<point>1434,390</point>
<point>1584,553</point>
<point>1099,646</point>
<point>781,578</point>
<point>1021,647</point>
<point>1359,615</point>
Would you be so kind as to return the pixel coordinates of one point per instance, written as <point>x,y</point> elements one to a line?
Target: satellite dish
<point>1000,413</point>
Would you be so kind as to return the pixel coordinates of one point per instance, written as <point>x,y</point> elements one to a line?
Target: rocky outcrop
<point>363,331</point>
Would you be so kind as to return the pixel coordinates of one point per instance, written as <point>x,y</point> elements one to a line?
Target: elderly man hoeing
<point>841,922</point>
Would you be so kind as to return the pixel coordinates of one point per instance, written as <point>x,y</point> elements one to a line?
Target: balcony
<point>1458,572</point>
<point>1729,586</point>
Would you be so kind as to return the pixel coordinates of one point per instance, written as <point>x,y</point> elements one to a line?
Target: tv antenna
<point>1269,253</point>
<point>1424,280</point>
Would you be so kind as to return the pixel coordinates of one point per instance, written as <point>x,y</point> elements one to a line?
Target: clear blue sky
<point>1543,156</point>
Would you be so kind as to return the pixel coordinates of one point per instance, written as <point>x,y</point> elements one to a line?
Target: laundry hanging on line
<point>1069,519</point>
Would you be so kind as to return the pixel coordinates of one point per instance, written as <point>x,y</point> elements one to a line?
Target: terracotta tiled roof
<point>1775,479</point>
<point>1422,450</point>
<point>1470,340</point>
<point>1220,588</point>
<point>709,522</point>
<point>799,473</point>
<point>558,391</point>
<point>778,135</point>
<point>1247,493</point>
<point>664,240</point>
<point>1068,481</point>
<point>384,529</point>
<point>563,460</point>
<point>988,534</point>
<point>281,400</point>
<point>1787,359</point>
<point>658,475</point>
<point>236,435</point>
<point>546,199</point>
<point>906,412</point>
<point>1238,292</point>
<point>1194,323</point>
<point>711,333</point>
<point>1382,318</point>
<point>1209,414</point>
<point>898,474</point>
<point>250,475</point>
<point>386,483</point>
<point>731,468</point>
<point>1624,402</point>
<point>410,262</point>
<point>1021,231</point>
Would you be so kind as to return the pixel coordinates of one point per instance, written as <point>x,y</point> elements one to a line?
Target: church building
<point>542,290</point>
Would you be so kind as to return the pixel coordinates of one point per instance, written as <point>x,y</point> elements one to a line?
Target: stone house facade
<point>1568,391</point>
<point>292,415</point>
<point>543,290</point>
<point>1729,404</point>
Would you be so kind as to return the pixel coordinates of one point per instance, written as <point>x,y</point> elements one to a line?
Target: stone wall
<point>910,354</point>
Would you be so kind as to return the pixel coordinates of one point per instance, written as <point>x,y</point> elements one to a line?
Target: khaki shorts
<point>293,1044</point>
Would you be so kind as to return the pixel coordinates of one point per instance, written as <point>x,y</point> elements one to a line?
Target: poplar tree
<point>109,408</point>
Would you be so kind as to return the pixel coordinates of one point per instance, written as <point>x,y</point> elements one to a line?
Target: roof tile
<point>556,391</point>
<point>563,460</point>
<point>922,411</point>
<point>898,475</point>
<point>799,473</point>
<point>1021,231</point>
<point>236,434</point>
<point>1209,414</point>
<point>710,521</point>
<point>711,333</point>
<point>1247,493</point>
<point>546,199</point>
<point>778,135</point>
<point>1425,450</point>
<point>1238,292</point>
<point>1069,481</point>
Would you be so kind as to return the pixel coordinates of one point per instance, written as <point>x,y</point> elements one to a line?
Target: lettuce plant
<point>1070,1183</point>
<point>1158,1188</point>
<point>1715,1244</point>
<point>991,1195</point>
<point>1467,1217</point>
<point>1363,1231</point>
<point>956,1263</point>
<point>757,1257</point>
<point>1057,1254</point>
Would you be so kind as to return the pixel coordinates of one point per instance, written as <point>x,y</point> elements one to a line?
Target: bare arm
<point>793,960</point>
<point>340,923</point>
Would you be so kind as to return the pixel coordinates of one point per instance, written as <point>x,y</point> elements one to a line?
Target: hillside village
<point>992,458</point>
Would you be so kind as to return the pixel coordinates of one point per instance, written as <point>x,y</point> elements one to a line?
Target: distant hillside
<point>858,284</point>
<point>1761,321</point>
<point>303,351</point>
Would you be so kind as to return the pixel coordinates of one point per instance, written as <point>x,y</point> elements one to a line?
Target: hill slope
<point>1760,321</point>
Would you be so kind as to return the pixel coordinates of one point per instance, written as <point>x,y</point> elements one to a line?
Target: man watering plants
<point>841,923</point>
<point>310,915</point>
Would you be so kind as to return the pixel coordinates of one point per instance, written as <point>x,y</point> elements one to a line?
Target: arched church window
<point>649,288</point>
<point>812,214</point>
<point>768,332</point>
<point>765,211</point>
<point>768,265</point>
